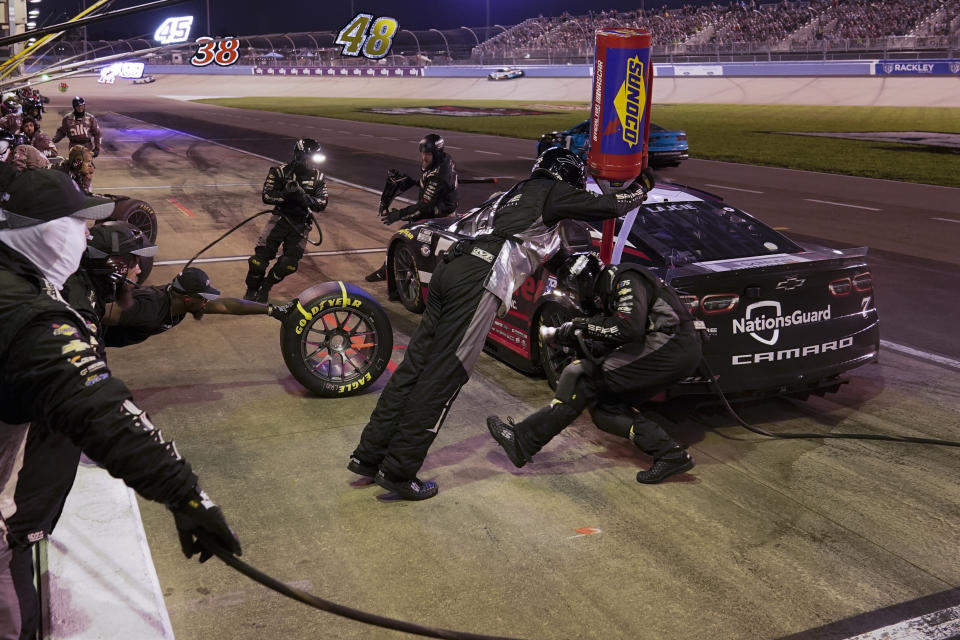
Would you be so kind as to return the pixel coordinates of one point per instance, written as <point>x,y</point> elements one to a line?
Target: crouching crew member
<point>647,341</point>
<point>295,189</point>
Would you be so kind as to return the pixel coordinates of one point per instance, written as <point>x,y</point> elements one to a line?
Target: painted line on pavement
<point>946,220</point>
<point>450,146</point>
<point>181,208</point>
<point>342,252</point>
<point>923,355</point>
<point>526,158</point>
<point>489,153</point>
<point>721,186</point>
<point>841,204</point>
<point>182,186</point>
<point>944,623</point>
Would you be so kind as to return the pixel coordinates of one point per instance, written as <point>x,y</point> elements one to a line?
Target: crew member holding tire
<point>473,283</point>
<point>438,190</point>
<point>648,341</point>
<point>58,397</point>
<point>80,128</point>
<point>295,189</point>
<point>156,309</point>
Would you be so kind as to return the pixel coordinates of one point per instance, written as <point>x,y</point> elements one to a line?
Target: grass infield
<point>750,134</point>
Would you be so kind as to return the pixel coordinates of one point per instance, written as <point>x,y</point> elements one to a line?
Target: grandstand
<point>736,30</point>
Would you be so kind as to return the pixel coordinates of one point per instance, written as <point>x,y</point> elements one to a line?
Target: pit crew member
<point>80,127</point>
<point>438,195</point>
<point>473,283</point>
<point>647,341</point>
<point>58,397</point>
<point>296,189</point>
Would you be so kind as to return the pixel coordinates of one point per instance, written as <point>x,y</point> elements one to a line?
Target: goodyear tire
<point>338,342</point>
<point>553,358</point>
<point>141,215</point>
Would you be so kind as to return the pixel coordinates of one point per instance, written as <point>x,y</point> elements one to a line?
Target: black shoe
<point>361,469</point>
<point>506,436</point>
<point>377,276</point>
<point>414,489</point>
<point>250,295</point>
<point>664,468</point>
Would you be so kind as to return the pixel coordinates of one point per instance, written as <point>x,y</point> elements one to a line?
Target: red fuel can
<point>620,116</point>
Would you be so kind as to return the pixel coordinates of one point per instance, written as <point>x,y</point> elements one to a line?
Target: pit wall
<point>860,83</point>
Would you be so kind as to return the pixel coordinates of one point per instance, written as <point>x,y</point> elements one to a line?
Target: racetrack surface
<point>902,91</point>
<point>761,540</point>
<point>912,230</point>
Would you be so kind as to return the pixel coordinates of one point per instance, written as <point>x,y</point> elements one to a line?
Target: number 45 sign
<point>376,44</point>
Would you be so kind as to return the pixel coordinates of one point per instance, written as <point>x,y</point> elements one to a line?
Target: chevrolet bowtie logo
<point>790,283</point>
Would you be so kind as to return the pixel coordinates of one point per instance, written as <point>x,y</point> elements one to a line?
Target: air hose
<point>332,607</point>
<point>705,369</point>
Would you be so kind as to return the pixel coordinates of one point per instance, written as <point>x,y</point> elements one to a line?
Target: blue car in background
<point>667,148</point>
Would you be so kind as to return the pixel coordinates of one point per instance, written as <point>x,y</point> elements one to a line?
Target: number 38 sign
<point>224,52</point>
<point>372,40</point>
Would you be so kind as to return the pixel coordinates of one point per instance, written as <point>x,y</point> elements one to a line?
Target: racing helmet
<point>561,164</point>
<point>10,105</point>
<point>78,102</point>
<point>579,275</point>
<point>431,143</point>
<point>7,144</point>
<point>113,248</point>
<point>308,151</point>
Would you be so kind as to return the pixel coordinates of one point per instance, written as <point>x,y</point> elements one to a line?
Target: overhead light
<point>31,25</point>
<point>33,13</point>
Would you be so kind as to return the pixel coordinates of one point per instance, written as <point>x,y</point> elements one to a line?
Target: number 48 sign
<point>376,44</point>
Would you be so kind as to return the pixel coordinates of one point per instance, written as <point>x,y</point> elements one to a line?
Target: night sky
<point>250,17</point>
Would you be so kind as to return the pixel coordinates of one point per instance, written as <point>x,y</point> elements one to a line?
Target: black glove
<point>280,312</point>
<point>391,216</point>
<point>647,180</point>
<point>199,515</point>
<point>567,332</point>
<point>394,175</point>
<point>96,152</point>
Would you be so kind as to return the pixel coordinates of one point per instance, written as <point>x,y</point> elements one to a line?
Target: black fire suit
<point>58,397</point>
<point>438,192</point>
<point>650,343</point>
<point>465,295</point>
<point>295,191</point>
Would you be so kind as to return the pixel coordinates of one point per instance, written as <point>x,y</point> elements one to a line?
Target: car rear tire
<point>341,345</point>
<point>552,359</point>
<point>407,278</point>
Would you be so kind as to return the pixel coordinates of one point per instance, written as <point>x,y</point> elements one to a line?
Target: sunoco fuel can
<point>619,119</point>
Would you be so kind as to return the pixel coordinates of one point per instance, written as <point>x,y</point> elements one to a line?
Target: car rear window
<point>679,233</point>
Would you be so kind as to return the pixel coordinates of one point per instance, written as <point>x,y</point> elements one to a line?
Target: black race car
<point>782,318</point>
